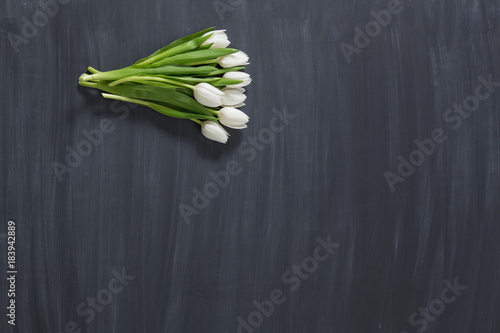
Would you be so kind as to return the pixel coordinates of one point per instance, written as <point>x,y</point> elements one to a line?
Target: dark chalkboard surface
<point>363,197</point>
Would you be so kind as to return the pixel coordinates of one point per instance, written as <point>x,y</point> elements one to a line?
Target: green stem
<point>196,121</point>
<point>88,84</point>
<point>206,62</point>
<point>150,78</point>
<point>159,108</point>
<point>111,75</point>
<point>93,70</point>
<point>214,112</point>
<point>127,99</point>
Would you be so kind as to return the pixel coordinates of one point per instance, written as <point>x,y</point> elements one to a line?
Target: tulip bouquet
<point>196,77</point>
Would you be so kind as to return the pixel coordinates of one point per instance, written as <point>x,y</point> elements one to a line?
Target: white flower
<point>232,97</point>
<point>241,90</point>
<point>218,39</point>
<point>233,118</point>
<point>232,60</point>
<point>213,131</point>
<point>245,77</point>
<point>208,95</point>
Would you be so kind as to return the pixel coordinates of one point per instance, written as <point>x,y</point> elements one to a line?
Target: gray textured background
<point>322,175</point>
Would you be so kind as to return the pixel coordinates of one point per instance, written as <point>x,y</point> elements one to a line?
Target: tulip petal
<point>232,60</point>
<point>214,131</point>
<point>208,95</point>
<point>233,118</point>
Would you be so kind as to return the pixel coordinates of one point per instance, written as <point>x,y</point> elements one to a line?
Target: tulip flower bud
<point>241,76</point>
<point>233,118</point>
<point>218,39</point>
<point>233,60</point>
<point>232,97</point>
<point>208,95</point>
<point>213,131</point>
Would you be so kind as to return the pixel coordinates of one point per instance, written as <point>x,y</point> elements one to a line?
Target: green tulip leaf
<point>194,56</point>
<point>176,43</point>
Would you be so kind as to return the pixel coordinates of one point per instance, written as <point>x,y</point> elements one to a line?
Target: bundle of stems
<point>195,77</point>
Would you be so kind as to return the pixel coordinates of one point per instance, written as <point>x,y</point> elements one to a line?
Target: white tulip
<point>232,97</point>
<point>208,95</point>
<point>233,118</point>
<point>213,131</point>
<point>218,39</point>
<point>241,90</point>
<point>245,77</point>
<point>233,60</point>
